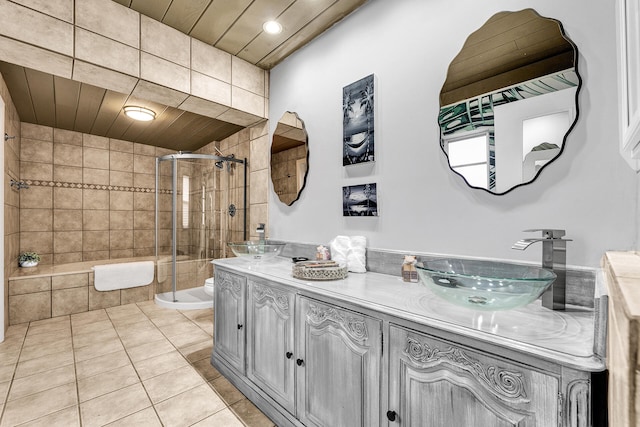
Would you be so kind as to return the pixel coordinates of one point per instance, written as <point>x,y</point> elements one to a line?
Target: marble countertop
<point>564,337</point>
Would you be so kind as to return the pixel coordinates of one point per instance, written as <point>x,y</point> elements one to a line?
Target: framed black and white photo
<point>358,122</point>
<point>360,200</point>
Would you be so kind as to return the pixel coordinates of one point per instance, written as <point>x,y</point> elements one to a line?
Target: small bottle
<point>409,272</point>
<point>322,253</point>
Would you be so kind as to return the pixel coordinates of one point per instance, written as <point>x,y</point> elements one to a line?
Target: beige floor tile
<point>35,351</point>
<point>16,331</point>
<point>12,344</point>
<point>99,349</point>
<point>49,321</point>
<point>150,349</point>
<point>88,317</point>
<point>136,338</point>
<point>145,418</point>
<point>9,357</point>
<point>32,384</point>
<point>85,328</point>
<point>4,390</point>
<point>89,338</point>
<point>106,382</point>
<point>227,391</point>
<point>100,364</point>
<point>205,369</point>
<point>55,324</point>
<point>250,415</point>
<point>120,322</point>
<point>38,405</point>
<point>184,326</point>
<point>190,338</point>
<point>52,338</point>
<point>172,383</point>
<point>44,363</point>
<point>6,372</point>
<point>67,417</point>
<point>160,364</point>
<point>114,406</point>
<point>222,418</point>
<point>189,407</point>
<point>165,317</point>
<point>123,311</point>
<point>198,351</point>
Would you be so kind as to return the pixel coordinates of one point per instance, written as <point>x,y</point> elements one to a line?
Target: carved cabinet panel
<point>338,358</point>
<point>433,382</point>
<point>229,316</point>
<point>270,341</point>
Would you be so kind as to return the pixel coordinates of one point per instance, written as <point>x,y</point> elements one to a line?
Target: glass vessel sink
<point>257,249</point>
<point>484,285</point>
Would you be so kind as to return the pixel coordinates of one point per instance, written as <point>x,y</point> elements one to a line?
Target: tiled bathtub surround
<point>90,197</point>
<point>138,364</point>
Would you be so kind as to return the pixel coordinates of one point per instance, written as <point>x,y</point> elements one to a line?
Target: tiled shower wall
<point>89,197</point>
<point>11,197</point>
<point>92,198</point>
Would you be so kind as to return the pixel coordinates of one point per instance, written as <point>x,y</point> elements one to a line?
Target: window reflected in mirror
<point>509,101</point>
<point>289,158</point>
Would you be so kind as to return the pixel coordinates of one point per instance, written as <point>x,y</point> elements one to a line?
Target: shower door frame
<point>174,201</point>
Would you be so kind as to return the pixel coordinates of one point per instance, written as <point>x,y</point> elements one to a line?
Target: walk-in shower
<point>201,203</point>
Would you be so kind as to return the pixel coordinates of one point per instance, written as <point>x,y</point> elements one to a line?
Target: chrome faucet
<point>554,257</point>
<point>260,231</point>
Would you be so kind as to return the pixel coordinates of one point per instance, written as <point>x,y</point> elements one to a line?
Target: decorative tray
<point>319,270</point>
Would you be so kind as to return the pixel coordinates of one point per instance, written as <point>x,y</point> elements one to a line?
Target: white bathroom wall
<point>590,190</point>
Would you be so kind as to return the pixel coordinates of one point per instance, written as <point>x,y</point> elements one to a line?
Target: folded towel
<point>350,251</point>
<point>109,277</point>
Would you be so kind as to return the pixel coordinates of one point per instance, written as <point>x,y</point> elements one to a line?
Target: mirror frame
<point>306,144</point>
<point>566,135</point>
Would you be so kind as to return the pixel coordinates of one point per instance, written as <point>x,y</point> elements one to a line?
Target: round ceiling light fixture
<point>139,113</point>
<point>272,27</point>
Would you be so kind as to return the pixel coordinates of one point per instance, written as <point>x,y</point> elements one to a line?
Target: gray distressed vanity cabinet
<point>317,360</point>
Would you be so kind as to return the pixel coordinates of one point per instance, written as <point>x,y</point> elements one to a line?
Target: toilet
<point>208,286</point>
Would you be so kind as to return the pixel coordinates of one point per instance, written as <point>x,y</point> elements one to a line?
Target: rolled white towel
<point>339,247</point>
<point>357,255</point>
<point>350,251</point>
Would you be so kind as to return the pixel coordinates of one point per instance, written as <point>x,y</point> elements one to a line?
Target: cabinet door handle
<point>289,355</point>
<point>299,362</point>
<point>391,415</point>
<point>239,326</point>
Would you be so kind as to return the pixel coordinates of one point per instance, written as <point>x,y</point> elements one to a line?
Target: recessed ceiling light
<point>272,27</point>
<point>139,113</point>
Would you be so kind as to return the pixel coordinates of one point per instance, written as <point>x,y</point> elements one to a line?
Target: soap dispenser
<point>408,271</point>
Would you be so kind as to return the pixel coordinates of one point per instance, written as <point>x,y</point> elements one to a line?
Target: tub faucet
<point>554,257</point>
<point>260,231</point>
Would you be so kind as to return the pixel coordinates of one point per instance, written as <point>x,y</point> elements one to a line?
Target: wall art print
<point>360,200</point>
<point>358,122</point>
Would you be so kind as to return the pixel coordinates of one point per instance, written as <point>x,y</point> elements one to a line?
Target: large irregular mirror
<point>509,101</point>
<point>289,158</point>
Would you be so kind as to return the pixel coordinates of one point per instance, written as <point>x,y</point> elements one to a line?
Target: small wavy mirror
<point>289,158</point>
<point>509,101</point>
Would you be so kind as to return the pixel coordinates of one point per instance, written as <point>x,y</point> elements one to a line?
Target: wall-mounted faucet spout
<point>554,257</point>
<point>260,231</point>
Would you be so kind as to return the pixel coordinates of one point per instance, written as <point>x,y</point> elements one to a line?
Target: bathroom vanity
<point>373,350</point>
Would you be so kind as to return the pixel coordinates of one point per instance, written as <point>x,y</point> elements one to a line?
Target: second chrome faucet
<point>554,257</point>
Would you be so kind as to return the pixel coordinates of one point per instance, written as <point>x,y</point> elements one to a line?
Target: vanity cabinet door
<point>270,345</point>
<point>229,316</point>
<point>338,366</point>
<point>437,383</point>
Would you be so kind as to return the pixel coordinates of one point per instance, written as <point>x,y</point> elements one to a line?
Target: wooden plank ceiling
<point>510,48</point>
<point>232,26</point>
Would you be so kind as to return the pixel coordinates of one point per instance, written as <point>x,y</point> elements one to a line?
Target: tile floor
<point>132,365</point>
